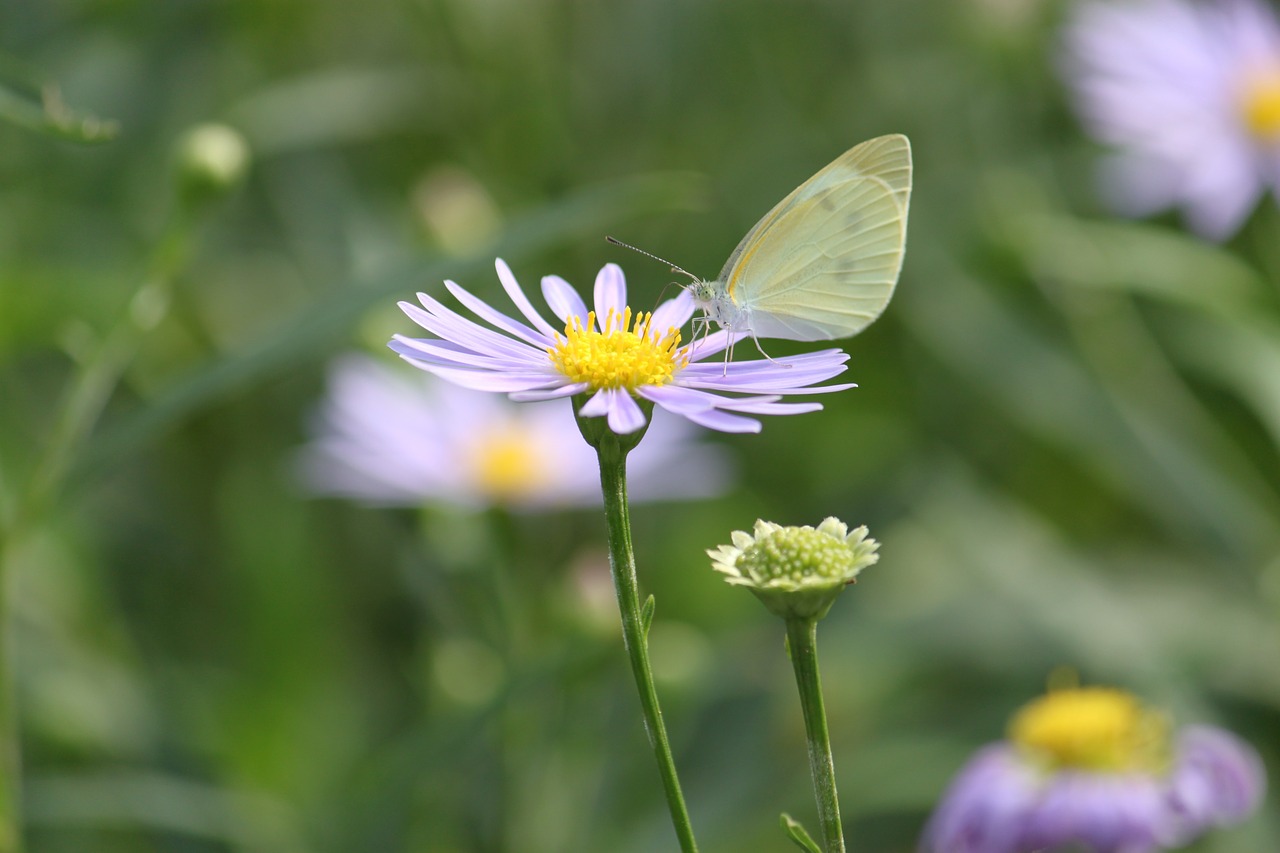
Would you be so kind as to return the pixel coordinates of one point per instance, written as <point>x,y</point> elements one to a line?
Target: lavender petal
<point>512,287</point>
<point>563,300</point>
<point>610,291</point>
<point>673,313</point>
<point>496,318</point>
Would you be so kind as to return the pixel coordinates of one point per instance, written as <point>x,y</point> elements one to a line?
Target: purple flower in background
<point>386,438</point>
<point>613,356</point>
<point>1092,767</point>
<point>1190,95</point>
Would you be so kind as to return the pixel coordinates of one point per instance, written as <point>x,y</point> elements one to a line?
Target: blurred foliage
<point>1065,434</point>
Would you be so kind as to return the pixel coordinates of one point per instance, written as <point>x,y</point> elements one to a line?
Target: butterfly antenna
<point>674,268</point>
<point>664,290</point>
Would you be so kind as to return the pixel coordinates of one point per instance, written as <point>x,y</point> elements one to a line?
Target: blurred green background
<point>1065,434</point>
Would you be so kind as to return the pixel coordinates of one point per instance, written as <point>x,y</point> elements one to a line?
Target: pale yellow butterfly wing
<point>824,262</point>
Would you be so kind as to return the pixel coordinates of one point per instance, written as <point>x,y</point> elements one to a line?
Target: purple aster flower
<point>1190,95</point>
<point>614,357</point>
<point>389,439</point>
<point>1092,768</point>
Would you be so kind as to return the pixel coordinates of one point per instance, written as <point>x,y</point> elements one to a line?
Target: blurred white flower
<point>1190,95</point>
<point>385,437</point>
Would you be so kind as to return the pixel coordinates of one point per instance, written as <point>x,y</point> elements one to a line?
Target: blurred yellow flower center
<point>1261,106</point>
<point>624,355</point>
<point>1091,728</point>
<point>506,464</point>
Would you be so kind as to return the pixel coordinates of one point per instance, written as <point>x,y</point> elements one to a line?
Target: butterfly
<point>823,263</point>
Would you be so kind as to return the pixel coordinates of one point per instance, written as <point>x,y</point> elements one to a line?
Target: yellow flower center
<point>624,355</point>
<point>1260,105</point>
<point>1091,728</point>
<point>506,464</point>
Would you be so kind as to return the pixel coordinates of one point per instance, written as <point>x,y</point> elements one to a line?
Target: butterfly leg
<point>766,355</point>
<point>701,329</point>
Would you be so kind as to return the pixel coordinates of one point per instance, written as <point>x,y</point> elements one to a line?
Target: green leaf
<point>1005,352</point>
<point>38,106</point>
<point>646,614</point>
<point>796,832</point>
<point>1145,259</point>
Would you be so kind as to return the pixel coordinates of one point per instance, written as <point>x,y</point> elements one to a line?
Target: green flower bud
<point>796,571</point>
<point>212,160</point>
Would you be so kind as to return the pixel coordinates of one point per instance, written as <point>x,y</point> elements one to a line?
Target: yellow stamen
<point>506,464</point>
<point>1260,106</point>
<point>622,356</point>
<point>1091,728</point>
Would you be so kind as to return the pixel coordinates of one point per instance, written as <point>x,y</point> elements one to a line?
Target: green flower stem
<point>98,378</point>
<point>10,754</point>
<point>613,480</point>
<point>87,396</point>
<point>802,642</point>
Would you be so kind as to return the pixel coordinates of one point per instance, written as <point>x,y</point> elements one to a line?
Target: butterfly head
<point>703,292</point>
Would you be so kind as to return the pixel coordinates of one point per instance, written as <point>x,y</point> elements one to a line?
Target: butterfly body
<point>717,306</point>
<point>824,262</point>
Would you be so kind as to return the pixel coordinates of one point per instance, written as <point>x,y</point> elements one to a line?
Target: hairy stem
<point>613,480</point>
<point>802,642</point>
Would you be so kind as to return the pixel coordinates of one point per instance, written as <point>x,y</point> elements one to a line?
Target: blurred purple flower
<point>390,439</point>
<point>608,354</point>
<point>1190,95</point>
<point>1092,767</point>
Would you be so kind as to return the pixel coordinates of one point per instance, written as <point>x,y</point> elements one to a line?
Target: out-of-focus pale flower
<point>456,210</point>
<point>620,362</point>
<point>387,438</point>
<point>1190,95</point>
<point>1091,768</point>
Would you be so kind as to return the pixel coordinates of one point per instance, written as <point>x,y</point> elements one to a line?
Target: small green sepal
<point>796,832</point>
<point>646,613</point>
<point>597,433</point>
